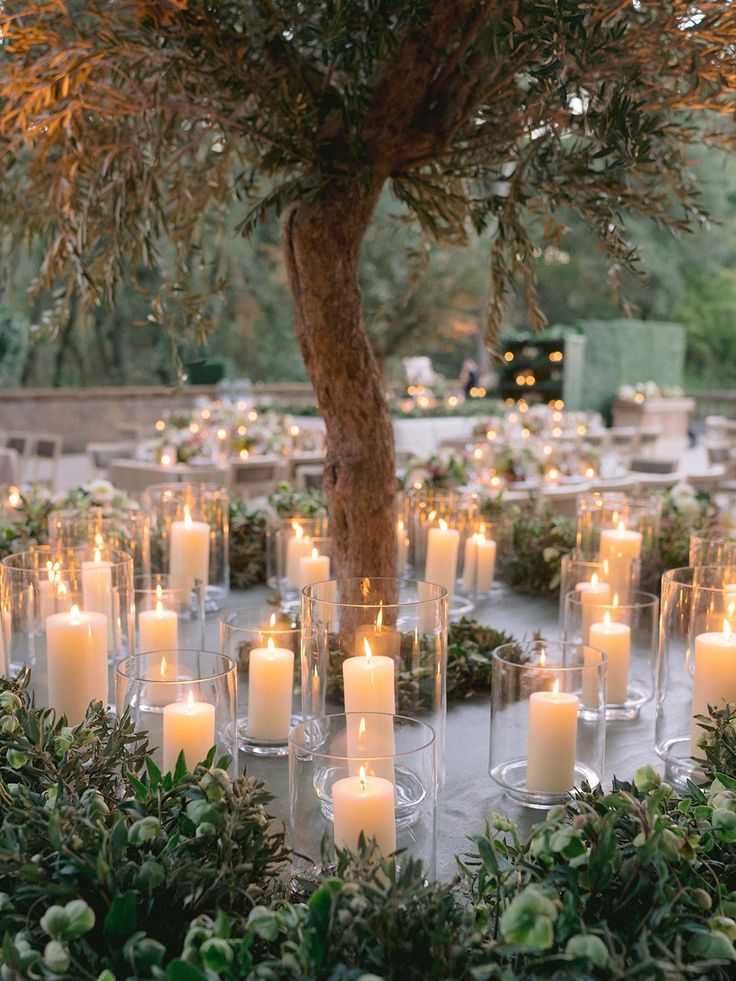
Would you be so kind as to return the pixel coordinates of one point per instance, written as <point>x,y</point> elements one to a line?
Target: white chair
<point>256,476</point>
<point>20,442</point>
<point>101,455</point>
<point>43,460</point>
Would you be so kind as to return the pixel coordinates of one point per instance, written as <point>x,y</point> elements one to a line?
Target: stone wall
<point>90,415</point>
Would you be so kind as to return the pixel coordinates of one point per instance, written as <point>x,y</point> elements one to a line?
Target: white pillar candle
<point>592,594</point>
<point>368,680</point>
<point>313,568</point>
<point>270,692</point>
<point>479,563</point>
<point>297,546</point>
<point>614,639</point>
<point>97,589</point>
<point>402,548</point>
<point>442,549</point>
<point>714,679</point>
<point>158,630</point>
<point>553,728</point>
<point>620,547</point>
<point>189,555</point>
<point>76,654</point>
<point>382,640</point>
<point>364,804</point>
<point>188,726</point>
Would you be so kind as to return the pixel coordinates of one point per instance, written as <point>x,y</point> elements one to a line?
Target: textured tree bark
<point>323,239</point>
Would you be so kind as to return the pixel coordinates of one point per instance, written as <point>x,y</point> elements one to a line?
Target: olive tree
<point>123,124</point>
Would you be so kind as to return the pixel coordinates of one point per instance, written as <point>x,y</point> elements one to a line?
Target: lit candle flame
<point>61,589</point>
<point>594,580</point>
<point>432,515</point>
<point>190,702</point>
<point>367,649</point>
<point>615,600</point>
<point>607,618</point>
<point>98,541</point>
<point>159,593</point>
<point>273,619</point>
<point>361,733</point>
<point>162,668</point>
<point>605,567</point>
<point>98,555</point>
<point>271,646</point>
<point>621,527</point>
<point>315,553</point>
<point>379,617</point>
<point>187,516</point>
<point>727,629</point>
<point>443,524</point>
<point>159,608</point>
<point>400,525</point>
<point>542,658</point>
<point>556,687</point>
<point>362,778</point>
<point>74,615</point>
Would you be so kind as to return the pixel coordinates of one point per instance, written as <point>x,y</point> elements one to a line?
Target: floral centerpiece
<point>439,471</point>
<point>216,431</point>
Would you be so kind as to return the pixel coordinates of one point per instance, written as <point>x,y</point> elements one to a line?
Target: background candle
<point>189,556</point>
<point>553,728</point>
<point>270,692</point>
<point>76,653</point>
<point>593,593</point>
<point>614,639</point>
<point>364,804</point>
<point>383,640</point>
<point>158,630</point>
<point>188,726</point>
<point>297,546</point>
<point>313,568</point>
<point>479,563</point>
<point>620,547</point>
<point>714,680</point>
<point>442,549</point>
<point>97,589</point>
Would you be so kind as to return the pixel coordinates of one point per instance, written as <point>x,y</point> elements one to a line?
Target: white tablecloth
<point>423,436</point>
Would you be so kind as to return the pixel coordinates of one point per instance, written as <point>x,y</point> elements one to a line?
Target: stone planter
<point>670,415</point>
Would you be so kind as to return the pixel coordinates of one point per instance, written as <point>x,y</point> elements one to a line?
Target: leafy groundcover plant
<point>111,870</point>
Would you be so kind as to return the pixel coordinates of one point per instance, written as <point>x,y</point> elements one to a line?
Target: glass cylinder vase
<point>368,774</point>
<point>548,719</point>
<point>186,700</point>
<point>439,524</point>
<point>712,548</point>
<point>628,634</point>
<point>376,645</point>
<point>581,574</point>
<point>265,645</point>
<point>125,528</point>
<point>696,666</point>
<point>289,540</point>
<point>69,614</point>
<point>190,537</point>
<point>620,529</point>
<point>167,615</point>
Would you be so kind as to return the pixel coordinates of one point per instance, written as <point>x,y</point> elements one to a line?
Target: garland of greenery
<point>109,869</point>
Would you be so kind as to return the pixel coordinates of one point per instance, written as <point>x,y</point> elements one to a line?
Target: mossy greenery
<point>111,870</point>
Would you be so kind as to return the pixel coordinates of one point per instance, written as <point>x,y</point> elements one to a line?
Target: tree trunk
<point>323,243</point>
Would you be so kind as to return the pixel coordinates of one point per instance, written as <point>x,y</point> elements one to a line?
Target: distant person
<point>469,376</point>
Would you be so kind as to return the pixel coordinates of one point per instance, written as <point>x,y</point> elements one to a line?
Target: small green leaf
<point>122,917</point>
